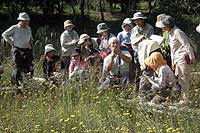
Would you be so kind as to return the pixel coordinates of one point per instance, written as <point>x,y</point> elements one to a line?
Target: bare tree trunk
<point>101,10</point>
<point>82,8</point>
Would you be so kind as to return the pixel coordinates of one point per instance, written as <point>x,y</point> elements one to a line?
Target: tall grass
<point>77,107</point>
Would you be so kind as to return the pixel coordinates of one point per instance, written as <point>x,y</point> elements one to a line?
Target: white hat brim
<point>23,19</point>
<point>159,24</point>
<point>198,28</point>
<point>139,18</point>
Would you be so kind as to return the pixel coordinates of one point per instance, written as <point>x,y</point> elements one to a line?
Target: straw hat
<point>127,21</point>
<point>49,48</point>
<point>136,39</point>
<point>138,15</point>
<point>23,16</point>
<point>83,37</point>
<point>68,23</point>
<point>102,27</point>
<point>198,28</point>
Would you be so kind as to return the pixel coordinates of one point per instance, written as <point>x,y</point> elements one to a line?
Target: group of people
<point>134,56</point>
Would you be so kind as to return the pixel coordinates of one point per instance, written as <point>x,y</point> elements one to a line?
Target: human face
<point>128,28</point>
<point>24,23</point>
<point>87,43</point>
<point>114,45</point>
<point>139,22</point>
<point>69,28</point>
<point>166,29</point>
<point>76,57</point>
<point>104,34</point>
<point>51,54</point>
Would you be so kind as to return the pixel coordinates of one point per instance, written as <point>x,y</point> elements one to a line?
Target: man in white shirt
<point>20,37</point>
<point>116,65</point>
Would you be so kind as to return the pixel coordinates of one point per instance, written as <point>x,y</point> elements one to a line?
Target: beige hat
<point>68,23</point>
<point>83,37</point>
<point>48,48</point>
<point>159,23</point>
<point>167,20</point>
<point>138,15</point>
<point>136,39</point>
<point>23,16</point>
<point>152,46</point>
<point>198,28</point>
<point>102,27</point>
<point>127,21</point>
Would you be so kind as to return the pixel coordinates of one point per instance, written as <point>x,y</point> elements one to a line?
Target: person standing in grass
<point>182,54</point>
<point>161,85</point>
<point>141,28</point>
<point>68,40</point>
<point>20,37</point>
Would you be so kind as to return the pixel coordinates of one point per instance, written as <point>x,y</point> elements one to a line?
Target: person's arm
<point>160,81</point>
<point>183,39</point>
<point>109,63</point>
<point>67,44</point>
<point>124,57</point>
<point>7,35</point>
<point>71,70</point>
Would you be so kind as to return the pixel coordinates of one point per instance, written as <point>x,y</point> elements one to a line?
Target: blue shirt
<point>124,37</point>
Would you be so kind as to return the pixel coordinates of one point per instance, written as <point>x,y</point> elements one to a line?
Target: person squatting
<point>154,64</point>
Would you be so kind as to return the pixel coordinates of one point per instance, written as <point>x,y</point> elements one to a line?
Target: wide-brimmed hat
<point>138,15</point>
<point>68,23</point>
<point>83,37</point>
<point>155,60</point>
<point>166,21</point>
<point>75,52</point>
<point>102,27</point>
<point>127,21</point>
<point>49,48</point>
<point>136,39</point>
<point>159,24</point>
<point>198,28</point>
<point>23,16</point>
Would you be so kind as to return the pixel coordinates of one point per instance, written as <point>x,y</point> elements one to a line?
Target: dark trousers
<point>22,60</point>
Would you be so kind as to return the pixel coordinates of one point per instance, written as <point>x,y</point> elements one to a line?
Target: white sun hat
<point>23,16</point>
<point>48,48</point>
<point>198,28</point>
<point>138,15</point>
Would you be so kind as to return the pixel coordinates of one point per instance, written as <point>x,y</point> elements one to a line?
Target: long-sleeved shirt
<point>166,78</point>
<point>68,41</point>
<point>18,36</point>
<point>124,36</point>
<point>104,42</point>
<point>147,30</point>
<point>179,45</point>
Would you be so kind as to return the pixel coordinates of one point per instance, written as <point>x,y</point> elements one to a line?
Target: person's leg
<point>183,72</point>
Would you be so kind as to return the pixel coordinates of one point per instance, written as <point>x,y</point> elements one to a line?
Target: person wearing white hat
<point>104,35</point>
<point>198,28</point>
<point>124,38</point>
<point>115,66</point>
<point>20,37</point>
<point>141,28</point>
<point>165,43</point>
<point>50,60</point>
<point>182,54</point>
<point>68,40</point>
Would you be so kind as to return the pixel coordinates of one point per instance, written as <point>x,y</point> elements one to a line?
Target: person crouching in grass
<point>165,79</point>
<point>78,68</point>
<point>51,64</point>
<point>115,66</point>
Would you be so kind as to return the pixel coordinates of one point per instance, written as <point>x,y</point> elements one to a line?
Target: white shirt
<point>18,36</point>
